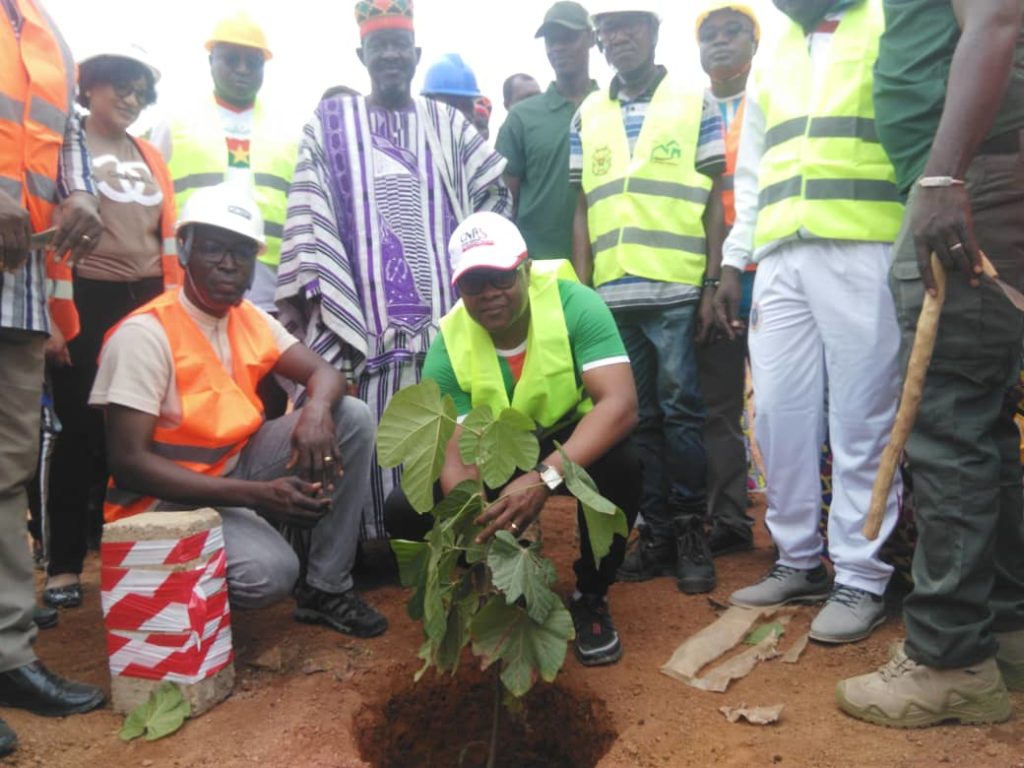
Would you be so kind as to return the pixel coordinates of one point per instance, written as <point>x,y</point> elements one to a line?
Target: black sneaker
<point>597,642</point>
<point>724,540</point>
<point>649,556</point>
<point>695,571</point>
<point>345,612</point>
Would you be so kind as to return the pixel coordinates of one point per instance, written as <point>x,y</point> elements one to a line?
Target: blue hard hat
<point>449,76</point>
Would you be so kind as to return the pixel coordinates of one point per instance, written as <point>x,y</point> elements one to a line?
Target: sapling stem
<point>492,756</point>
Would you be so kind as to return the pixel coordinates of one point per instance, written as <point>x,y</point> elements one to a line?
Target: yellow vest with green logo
<point>645,210</point>
<point>199,159</point>
<point>547,391</point>
<point>823,170</point>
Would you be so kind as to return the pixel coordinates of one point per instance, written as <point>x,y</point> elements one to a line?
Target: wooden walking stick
<point>910,401</point>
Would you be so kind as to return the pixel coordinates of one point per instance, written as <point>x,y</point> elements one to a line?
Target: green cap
<point>568,14</point>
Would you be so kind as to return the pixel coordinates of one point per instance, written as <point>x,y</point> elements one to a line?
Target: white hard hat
<point>600,8</point>
<point>124,50</point>
<point>228,206</point>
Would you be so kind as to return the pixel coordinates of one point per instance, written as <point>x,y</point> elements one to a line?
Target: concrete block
<point>126,693</point>
<point>168,528</point>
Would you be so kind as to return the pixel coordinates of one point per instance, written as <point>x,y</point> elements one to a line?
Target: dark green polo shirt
<point>535,140</point>
<point>911,76</point>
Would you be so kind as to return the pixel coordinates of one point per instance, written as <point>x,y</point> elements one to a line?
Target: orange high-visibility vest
<point>37,90</point>
<point>37,87</point>
<point>62,305</point>
<point>732,151</point>
<point>219,411</point>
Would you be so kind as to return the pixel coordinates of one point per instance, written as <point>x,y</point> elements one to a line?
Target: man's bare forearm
<point>978,78</point>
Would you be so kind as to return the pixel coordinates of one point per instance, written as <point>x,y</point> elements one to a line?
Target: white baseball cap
<point>485,239</point>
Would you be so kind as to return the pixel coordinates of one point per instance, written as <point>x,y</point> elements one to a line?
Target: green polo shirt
<point>593,338</point>
<point>911,76</point>
<point>535,140</point>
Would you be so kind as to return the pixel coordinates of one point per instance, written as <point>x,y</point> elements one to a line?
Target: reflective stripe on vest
<point>219,411</point>
<point>37,87</point>
<point>63,311</point>
<point>644,210</point>
<point>547,390</point>
<point>823,170</point>
<point>199,159</point>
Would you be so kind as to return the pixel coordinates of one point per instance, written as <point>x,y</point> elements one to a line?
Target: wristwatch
<point>549,475</point>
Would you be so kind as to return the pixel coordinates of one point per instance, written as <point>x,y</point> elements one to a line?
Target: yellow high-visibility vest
<point>823,170</point>
<point>198,159</point>
<point>547,391</point>
<point>645,209</point>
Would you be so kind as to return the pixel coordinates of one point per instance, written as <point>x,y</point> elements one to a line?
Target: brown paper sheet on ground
<point>792,654</point>
<point>755,715</point>
<point>741,665</point>
<point>722,635</point>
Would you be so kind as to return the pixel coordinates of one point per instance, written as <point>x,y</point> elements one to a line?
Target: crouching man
<point>185,427</point>
<point>548,347</point>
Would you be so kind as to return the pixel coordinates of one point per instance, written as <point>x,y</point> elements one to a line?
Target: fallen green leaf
<point>761,631</point>
<point>161,715</point>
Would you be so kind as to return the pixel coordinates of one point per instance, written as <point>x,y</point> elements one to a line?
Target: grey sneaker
<point>1010,658</point>
<point>849,615</point>
<point>784,585</point>
<point>905,694</point>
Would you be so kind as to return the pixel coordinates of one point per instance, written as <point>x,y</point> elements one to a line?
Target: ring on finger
<point>514,527</point>
<point>328,458</point>
<point>956,247</point>
<point>85,239</point>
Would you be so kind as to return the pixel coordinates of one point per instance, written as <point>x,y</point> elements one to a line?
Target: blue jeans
<point>668,434</point>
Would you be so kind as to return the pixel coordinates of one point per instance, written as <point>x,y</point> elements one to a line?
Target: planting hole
<point>442,720</point>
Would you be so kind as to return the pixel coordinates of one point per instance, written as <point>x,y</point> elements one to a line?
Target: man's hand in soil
<point>518,506</point>
<point>727,302</point>
<point>940,219</point>
<point>292,501</point>
<point>78,226</point>
<point>15,230</point>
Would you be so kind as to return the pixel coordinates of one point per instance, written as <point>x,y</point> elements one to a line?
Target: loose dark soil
<point>309,697</point>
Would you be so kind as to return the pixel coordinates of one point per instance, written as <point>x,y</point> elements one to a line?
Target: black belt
<point>1008,143</point>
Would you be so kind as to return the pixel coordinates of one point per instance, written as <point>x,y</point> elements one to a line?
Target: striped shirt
<point>23,293</point>
<point>636,292</point>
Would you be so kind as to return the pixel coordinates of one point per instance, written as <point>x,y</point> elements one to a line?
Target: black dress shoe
<point>45,617</point>
<point>37,689</point>
<point>8,739</point>
<point>63,597</point>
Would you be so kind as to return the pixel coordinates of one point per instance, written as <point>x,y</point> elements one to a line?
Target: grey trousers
<point>262,566</point>
<point>21,384</point>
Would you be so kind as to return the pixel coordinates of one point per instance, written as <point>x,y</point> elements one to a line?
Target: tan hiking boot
<point>1010,658</point>
<point>905,694</point>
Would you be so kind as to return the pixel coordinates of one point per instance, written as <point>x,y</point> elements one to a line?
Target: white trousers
<point>823,325</point>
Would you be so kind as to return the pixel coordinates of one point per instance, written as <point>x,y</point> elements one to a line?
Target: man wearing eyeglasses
<point>177,380</point>
<point>550,349</point>
<point>229,135</point>
<point>646,155</point>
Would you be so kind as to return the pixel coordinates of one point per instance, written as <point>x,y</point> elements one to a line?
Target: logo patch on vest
<point>602,161</point>
<point>669,153</point>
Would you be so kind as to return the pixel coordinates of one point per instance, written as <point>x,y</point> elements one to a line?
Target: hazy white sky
<point>314,42</point>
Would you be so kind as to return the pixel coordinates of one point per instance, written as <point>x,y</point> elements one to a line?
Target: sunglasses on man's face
<point>476,282</point>
<point>215,251</point>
